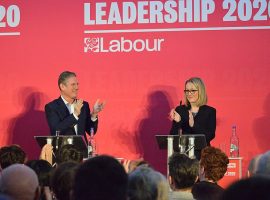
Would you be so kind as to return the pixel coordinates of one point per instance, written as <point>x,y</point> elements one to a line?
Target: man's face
<point>69,89</point>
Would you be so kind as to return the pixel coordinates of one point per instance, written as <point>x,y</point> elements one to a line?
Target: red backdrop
<point>140,87</point>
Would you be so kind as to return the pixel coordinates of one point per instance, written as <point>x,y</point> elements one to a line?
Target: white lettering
<point>101,45</point>
<point>142,12</point>
<point>129,12</point>
<point>125,43</point>
<point>114,15</point>
<point>159,44</point>
<point>87,14</point>
<point>146,12</point>
<point>156,8</point>
<point>245,10</point>
<point>141,43</point>
<point>185,10</point>
<point>208,7</point>
<point>100,13</point>
<point>171,17</point>
<point>121,45</point>
<point>114,46</point>
<point>197,11</point>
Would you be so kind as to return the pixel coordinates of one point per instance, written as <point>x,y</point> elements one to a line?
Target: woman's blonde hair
<point>202,96</point>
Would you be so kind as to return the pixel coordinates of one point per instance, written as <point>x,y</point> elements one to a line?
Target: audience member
<point>101,178</point>
<point>63,179</point>
<point>255,187</point>
<point>213,166</point>
<point>43,171</point>
<point>69,152</point>
<point>183,173</point>
<point>10,155</point>
<point>144,183</point>
<point>260,165</point>
<point>19,182</point>
<point>4,197</point>
<point>137,163</point>
<point>47,153</point>
<point>131,165</point>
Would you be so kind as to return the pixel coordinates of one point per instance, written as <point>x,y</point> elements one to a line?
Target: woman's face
<point>191,93</point>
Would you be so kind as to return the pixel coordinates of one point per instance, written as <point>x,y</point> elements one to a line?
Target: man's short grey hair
<point>264,164</point>
<point>64,76</point>
<point>260,164</point>
<point>19,182</point>
<point>146,183</point>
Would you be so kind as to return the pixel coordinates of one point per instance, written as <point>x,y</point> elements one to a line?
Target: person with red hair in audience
<point>213,166</point>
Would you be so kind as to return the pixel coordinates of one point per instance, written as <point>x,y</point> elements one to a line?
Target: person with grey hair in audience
<point>259,165</point>
<point>19,182</point>
<point>183,173</point>
<point>144,183</point>
<point>43,170</point>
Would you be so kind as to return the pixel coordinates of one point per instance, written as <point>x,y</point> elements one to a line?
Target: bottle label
<point>233,148</point>
<point>90,150</point>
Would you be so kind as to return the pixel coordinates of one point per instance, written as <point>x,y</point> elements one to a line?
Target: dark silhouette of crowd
<point>106,178</point>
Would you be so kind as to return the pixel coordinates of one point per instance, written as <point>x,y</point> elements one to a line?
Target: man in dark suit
<point>69,115</point>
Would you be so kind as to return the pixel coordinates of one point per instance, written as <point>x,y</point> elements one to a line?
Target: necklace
<point>194,113</point>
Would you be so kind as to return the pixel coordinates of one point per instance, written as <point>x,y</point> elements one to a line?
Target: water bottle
<point>234,144</point>
<point>91,144</point>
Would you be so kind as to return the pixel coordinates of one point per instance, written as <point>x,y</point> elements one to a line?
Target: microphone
<point>57,139</point>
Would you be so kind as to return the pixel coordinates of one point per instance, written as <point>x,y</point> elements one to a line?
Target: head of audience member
<point>255,187</point>
<point>10,155</point>
<point>212,167</point>
<point>213,164</point>
<point>183,171</point>
<point>43,169</point>
<point>62,180</point>
<point>260,165</point>
<point>69,152</point>
<point>101,178</point>
<point>253,165</point>
<point>19,182</point>
<point>144,183</point>
<point>4,197</point>
<point>137,163</point>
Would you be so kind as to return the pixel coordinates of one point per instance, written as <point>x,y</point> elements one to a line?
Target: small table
<point>233,173</point>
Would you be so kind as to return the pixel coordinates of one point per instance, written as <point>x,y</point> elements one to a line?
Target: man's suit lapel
<point>63,111</point>
<point>79,131</point>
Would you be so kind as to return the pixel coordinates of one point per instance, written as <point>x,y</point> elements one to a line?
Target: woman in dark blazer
<point>194,117</point>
